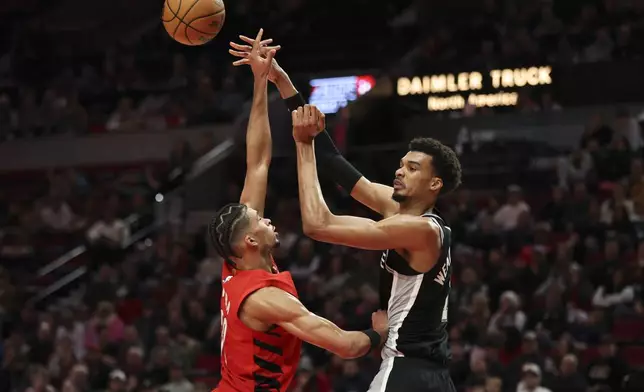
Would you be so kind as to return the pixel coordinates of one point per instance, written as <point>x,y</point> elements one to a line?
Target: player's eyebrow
<point>414,163</point>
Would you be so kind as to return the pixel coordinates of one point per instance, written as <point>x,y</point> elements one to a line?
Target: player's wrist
<point>375,338</point>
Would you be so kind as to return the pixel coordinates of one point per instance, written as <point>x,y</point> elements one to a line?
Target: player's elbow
<point>312,229</point>
<point>316,226</point>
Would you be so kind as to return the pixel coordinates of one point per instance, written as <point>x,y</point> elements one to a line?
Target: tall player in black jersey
<point>416,266</point>
<point>416,270</point>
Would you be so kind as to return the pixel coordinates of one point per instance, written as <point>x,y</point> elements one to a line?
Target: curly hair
<point>225,227</point>
<point>444,160</point>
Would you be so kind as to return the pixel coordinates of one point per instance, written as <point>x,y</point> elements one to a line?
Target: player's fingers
<point>237,53</point>
<point>237,46</point>
<point>269,48</point>
<point>271,54</point>
<point>266,42</point>
<point>248,40</point>
<point>294,117</point>
<point>240,62</point>
<point>306,111</point>
<point>258,39</point>
<point>300,114</point>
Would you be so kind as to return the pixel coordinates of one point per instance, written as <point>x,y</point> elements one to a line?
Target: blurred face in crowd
<point>493,384</point>
<point>44,332</point>
<point>478,366</point>
<point>611,250</point>
<point>468,277</point>
<point>531,380</point>
<point>350,368</point>
<point>514,198</point>
<point>176,374</point>
<point>568,365</point>
<point>162,336</point>
<point>416,179</point>
<point>529,346</point>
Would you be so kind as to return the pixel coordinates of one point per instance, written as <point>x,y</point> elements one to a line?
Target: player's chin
<point>398,196</point>
<point>276,242</point>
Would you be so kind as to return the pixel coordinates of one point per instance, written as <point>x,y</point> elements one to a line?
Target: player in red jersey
<point>262,320</point>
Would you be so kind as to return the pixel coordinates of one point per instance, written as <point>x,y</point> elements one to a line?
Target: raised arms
<point>271,305</point>
<point>258,133</point>
<point>375,196</point>
<point>398,231</point>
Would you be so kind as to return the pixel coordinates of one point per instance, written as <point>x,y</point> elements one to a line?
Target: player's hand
<point>244,51</point>
<point>380,323</point>
<point>308,121</point>
<point>261,65</point>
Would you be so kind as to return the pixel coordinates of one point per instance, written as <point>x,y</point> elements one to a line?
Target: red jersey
<point>252,360</point>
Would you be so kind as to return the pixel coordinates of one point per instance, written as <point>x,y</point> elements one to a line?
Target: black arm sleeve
<point>330,161</point>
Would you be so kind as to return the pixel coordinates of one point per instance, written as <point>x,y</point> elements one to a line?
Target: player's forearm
<point>345,344</point>
<point>330,161</point>
<point>314,210</point>
<point>285,86</point>
<point>258,134</point>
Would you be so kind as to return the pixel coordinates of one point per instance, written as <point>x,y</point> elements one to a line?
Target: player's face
<point>415,178</point>
<point>261,230</point>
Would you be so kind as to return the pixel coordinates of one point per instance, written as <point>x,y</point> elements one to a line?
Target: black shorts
<point>402,374</point>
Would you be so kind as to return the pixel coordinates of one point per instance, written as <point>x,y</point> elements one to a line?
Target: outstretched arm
<point>271,305</point>
<point>258,133</point>
<point>375,196</point>
<point>398,231</point>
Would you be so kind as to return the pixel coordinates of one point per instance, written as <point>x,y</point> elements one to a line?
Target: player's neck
<point>258,261</point>
<point>411,207</point>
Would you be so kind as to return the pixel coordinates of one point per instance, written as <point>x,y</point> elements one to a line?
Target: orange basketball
<point>193,22</point>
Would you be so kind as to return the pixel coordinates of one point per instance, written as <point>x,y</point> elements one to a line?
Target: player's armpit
<point>375,196</point>
<point>271,305</point>
<point>396,232</point>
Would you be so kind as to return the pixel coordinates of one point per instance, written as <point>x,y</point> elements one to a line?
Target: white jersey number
<point>224,322</point>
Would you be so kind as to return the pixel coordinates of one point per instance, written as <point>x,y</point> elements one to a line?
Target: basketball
<point>193,22</point>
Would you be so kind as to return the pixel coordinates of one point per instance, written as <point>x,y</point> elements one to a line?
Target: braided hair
<point>224,228</point>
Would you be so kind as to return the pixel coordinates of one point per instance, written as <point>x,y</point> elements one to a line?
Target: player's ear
<point>436,184</point>
<point>250,241</point>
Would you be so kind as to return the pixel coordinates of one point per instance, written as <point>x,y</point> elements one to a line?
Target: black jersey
<point>417,303</point>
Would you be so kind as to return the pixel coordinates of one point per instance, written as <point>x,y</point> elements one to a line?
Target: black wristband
<point>294,102</point>
<point>374,338</point>
<point>330,161</point>
<point>333,164</point>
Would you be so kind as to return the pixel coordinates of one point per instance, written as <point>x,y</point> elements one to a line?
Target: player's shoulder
<point>414,223</point>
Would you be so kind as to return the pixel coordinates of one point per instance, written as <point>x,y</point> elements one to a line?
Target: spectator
<point>58,216</point>
<point>531,379</point>
<point>607,370</point>
<point>507,217</point>
<point>109,232</point>
<point>509,314</point>
<point>351,379</point>
<point>125,118</point>
<point>575,168</point>
<point>117,382</point>
<point>306,261</point>
<point>178,382</point>
<point>569,378</point>
<point>39,380</point>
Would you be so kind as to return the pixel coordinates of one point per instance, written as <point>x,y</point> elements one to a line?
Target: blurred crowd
<point>150,83</point>
<point>547,287</point>
<point>504,33</point>
<point>546,293</point>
